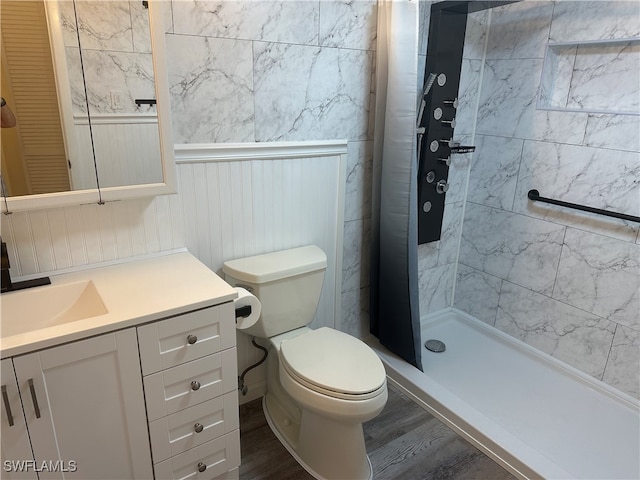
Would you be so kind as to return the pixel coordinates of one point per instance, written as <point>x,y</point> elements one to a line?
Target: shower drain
<point>435,346</point>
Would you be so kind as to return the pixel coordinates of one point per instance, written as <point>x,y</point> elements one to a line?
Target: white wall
<point>127,148</point>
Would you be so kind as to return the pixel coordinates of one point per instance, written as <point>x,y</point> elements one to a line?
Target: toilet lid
<point>333,361</point>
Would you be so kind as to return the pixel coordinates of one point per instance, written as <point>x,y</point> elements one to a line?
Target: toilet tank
<point>287,283</point>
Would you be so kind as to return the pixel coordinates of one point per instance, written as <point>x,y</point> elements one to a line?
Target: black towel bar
<point>534,195</point>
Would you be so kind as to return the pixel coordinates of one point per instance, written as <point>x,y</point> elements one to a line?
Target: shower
<point>529,296</point>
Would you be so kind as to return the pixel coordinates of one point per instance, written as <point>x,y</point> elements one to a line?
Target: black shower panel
<point>437,110</point>
<point>444,60</point>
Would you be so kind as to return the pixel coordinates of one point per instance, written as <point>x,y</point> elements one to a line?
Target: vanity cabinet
<point>190,381</point>
<point>146,390</point>
<point>84,408</point>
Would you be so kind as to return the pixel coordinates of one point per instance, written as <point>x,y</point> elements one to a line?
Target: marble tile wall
<point>563,281</point>
<point>437,261</point>
<point>117,65</point>
<point>282,70</point>
<point>577,77</point>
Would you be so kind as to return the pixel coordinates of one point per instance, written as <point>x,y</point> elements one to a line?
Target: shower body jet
<point>423,102</point>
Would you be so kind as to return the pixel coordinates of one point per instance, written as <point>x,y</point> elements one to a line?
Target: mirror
<point>36,151</point>
<point>108,99</point>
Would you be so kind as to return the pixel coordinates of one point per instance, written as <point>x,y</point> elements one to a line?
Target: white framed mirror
<point>109,67</point>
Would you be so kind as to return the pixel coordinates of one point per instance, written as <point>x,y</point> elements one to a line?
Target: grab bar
<point>534,195</point>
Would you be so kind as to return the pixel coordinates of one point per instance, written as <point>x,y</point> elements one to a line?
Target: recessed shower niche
<point>579,76</point>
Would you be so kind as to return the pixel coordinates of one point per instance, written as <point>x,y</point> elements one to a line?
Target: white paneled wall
<point>261,202</point>
<point>126,146</point>
<point>58,239</point>
<point>233,200</point>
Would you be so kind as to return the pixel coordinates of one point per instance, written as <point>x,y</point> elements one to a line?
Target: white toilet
<point>321,384</point>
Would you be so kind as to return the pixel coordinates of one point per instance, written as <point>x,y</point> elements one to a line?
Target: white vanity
<point>123,371</point>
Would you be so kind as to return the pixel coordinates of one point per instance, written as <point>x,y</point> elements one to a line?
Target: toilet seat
<point>333,363</point>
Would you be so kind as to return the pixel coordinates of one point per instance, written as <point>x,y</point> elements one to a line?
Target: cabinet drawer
<point>216,458</point>
<point>193,426</point>
<point>172,390</point>
<point>180,339</point>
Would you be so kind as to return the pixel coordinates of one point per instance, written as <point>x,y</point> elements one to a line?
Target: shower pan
<point>536,416</point>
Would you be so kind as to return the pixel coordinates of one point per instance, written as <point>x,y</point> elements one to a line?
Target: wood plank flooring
<point>403,442</point>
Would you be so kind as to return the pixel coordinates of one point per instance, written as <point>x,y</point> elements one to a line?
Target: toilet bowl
<point>338,384</point>
<point>321,384</point>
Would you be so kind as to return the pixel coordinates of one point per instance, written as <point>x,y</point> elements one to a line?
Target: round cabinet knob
<point>442,186</point>
<point>195,385</point>
<point>191,339</point>
<point>437,113</point>
<point>198,427</point>
<point>201,467</point>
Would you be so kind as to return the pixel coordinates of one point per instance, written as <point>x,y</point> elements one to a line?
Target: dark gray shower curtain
<point>394,313</point>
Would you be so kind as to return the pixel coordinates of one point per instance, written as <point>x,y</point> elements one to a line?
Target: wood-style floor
<point>403,442</point>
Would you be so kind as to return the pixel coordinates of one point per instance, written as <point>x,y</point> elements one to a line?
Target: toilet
<point>322,384</point>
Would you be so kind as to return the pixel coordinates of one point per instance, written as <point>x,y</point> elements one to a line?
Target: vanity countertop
<point>132,293</point>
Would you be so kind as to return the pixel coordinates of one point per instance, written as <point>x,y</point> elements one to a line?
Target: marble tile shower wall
<point>565,282</point>
<point>437,261</point>
<point>270,70</point>
<point>116,54</point>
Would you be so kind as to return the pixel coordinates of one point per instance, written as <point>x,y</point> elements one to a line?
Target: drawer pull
<point>191,339</point>
<point>198,427</point>
<point>201,467</point>
<point>195,385</point>
<point>7,406</point>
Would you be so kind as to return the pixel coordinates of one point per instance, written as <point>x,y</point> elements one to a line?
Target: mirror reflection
<point>34,149</point>
<point>100,91</point>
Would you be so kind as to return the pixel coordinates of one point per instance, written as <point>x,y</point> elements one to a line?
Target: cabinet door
<point>17,459</point>
<point>84,407</point>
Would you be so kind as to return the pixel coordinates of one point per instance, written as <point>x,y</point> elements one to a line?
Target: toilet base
<point>289,434</point>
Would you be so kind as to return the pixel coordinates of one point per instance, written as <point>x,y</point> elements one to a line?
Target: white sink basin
<point>42,307</point>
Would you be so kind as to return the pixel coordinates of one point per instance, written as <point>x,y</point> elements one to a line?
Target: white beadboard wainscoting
<point>233,200</point>
<point>126,146</point>
<point>245,199</point>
